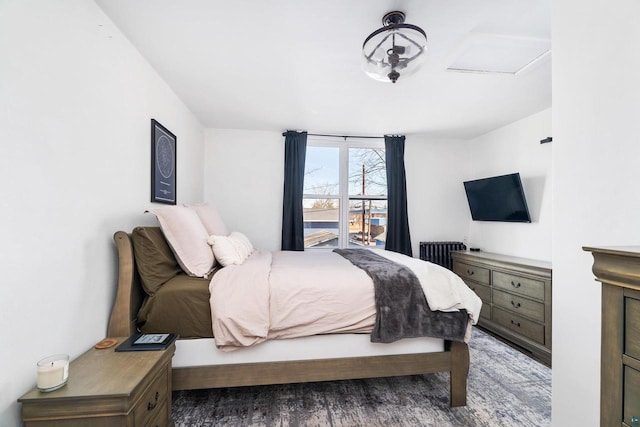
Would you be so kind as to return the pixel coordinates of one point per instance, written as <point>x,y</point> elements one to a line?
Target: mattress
<point>203,352</point>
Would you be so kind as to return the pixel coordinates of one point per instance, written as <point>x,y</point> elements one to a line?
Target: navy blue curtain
<point>295,150</point>
<point>398,237</point>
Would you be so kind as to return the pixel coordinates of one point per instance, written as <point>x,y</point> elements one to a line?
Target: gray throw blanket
<point>402,310</point>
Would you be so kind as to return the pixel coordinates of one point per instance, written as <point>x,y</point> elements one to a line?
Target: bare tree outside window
<point>367,177</point>
<point>363,202</point>
<point>367,166</point>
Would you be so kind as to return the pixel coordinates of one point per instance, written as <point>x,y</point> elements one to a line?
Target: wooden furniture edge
<point>122,322</point>
<point>618,270</point>
<point>81,403</point>
<point>459,372</point>
<point>612,339</point>
<point>455,360</point>
<point>502,262</point>
<point>531,268</point>
<point>616,266</point>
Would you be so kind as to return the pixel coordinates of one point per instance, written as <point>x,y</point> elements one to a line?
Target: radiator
<point>440,252</point>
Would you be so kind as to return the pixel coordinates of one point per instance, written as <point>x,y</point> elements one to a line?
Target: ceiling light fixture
<point>395,49</point>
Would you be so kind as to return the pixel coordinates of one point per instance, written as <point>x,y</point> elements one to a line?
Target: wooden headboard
<point>129,294</point>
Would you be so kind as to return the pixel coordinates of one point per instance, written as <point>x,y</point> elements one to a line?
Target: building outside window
<point>345,193</point>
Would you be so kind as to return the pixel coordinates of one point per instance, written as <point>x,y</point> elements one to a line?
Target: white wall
<point>244,173</point>
<point>516,148</point>
<point>596,128</point>
<point>244,179</point>
<point>437,205</point>
<point>76,101</point>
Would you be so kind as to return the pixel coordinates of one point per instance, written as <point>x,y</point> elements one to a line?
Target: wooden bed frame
<point>129,296</point>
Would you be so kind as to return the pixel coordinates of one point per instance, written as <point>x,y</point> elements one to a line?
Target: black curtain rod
<point>340,136</point>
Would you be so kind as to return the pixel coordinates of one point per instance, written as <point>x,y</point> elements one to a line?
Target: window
<point>345,194</point>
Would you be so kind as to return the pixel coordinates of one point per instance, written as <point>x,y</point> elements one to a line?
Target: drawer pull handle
<point>470,272</point>
<point>516,305</point>
<point>151,406</point>
<point>513,322</point>
<point>515,285</point>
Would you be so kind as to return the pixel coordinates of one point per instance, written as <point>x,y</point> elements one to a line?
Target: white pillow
<point>243,241</point>
<point>233,249</point>
<point>187,238</point>
<point>211,219</point>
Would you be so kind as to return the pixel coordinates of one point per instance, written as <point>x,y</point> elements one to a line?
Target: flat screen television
<point>497,198</point>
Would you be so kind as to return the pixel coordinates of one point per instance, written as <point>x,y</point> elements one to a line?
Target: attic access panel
<point>501,54</point>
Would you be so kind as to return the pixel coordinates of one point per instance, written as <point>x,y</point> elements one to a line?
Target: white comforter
<point>291,294</point>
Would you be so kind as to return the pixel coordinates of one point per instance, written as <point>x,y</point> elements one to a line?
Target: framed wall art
<point>163,164</point>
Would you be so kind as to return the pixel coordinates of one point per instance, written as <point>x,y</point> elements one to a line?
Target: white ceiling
<point>295,64</point>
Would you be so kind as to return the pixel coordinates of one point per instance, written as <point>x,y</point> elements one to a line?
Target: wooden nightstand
<point>107,388</point>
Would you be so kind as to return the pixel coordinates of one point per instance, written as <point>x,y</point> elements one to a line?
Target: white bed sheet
<point>203,352</point>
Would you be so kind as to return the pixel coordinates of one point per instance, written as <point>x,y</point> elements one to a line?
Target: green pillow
<point>155,261</point>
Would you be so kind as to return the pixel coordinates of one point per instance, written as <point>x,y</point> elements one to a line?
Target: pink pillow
<point>187,238</point>
<point>211,219</point>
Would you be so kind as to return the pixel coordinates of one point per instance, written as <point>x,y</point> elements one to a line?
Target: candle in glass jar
<point>53,372</point>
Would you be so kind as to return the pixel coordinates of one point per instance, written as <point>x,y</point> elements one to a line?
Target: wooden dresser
<point>618,268</point>
<point>516,297</point>
<point>107,389</point>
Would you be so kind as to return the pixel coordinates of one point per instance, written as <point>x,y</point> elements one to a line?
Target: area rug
<point>506,388</point>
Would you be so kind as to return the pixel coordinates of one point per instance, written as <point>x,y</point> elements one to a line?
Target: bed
<point>198,364</point>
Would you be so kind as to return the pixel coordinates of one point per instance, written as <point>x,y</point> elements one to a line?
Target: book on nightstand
<point>147,342</point>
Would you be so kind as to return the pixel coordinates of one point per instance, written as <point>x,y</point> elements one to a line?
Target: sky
<point>322,168</point>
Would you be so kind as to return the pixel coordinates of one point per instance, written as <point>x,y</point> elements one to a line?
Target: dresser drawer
<point>472,272</point>
<point>153,400</point>
<point>484,292</point>
<point>519,324</point>
<point>632,328</point>
<point>485,311</point>
<point>159,419</point>
<point>520,285</point>
<point>522,306</point>
<point>631,394</point>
